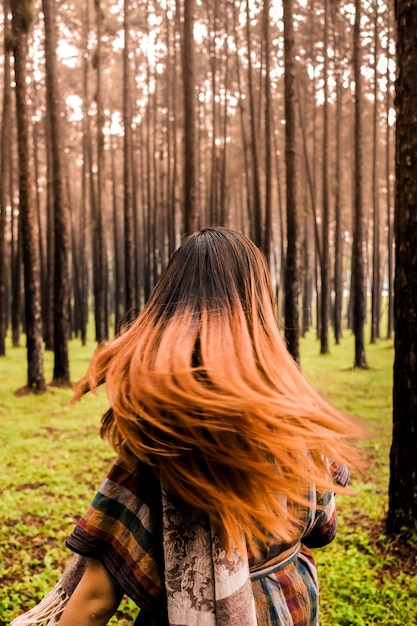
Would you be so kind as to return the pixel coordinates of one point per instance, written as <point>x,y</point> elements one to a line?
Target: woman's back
<point>223,481</point>
<point>201,387</point>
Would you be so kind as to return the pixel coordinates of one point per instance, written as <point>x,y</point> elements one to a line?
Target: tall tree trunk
<point>267,231</point>
<point>118,252</point>
<point>35,125</point>
<point>256,209</point>
<point>86,169</point>
<point>390,226</point>
<point>224,213</point>
<point>213,195</point>
<point>249,199</point>
<point>139,208</point>
<point>171,87</point>
<point>281,220</point>
<point>5,175</point>
<point>314,176</point>
<point>156,226</point>
<point>292,285</point>
<point>338,252</point>
<point>142,233</point>
<point>35,134</point>
<point>129,225</point>
<point>325,261</point>
<point>376,290</point>
<point>307,277</point>
<point>191,212</point>
<point>101,308</point>
<point>16,267</point>
<point>21,22</point>
<point>148,207</point>
<point>358,263</point>
<point>310,175</point>
<point>402,511</point>
<point>278,177</point>
<point>76,271</point>
<point>61,374</point>
<point>349,314</point>
<point>48,330</point>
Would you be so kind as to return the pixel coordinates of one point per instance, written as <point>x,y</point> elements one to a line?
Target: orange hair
<point>202,388</point>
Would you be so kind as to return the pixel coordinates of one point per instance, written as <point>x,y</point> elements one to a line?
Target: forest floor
<point>54,460</point>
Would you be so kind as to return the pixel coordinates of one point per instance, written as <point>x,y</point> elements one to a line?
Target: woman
<point>223,478</point>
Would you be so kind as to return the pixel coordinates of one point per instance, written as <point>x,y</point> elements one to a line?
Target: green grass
<point>54,460</point>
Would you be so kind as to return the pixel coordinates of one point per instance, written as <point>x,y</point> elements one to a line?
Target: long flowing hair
<point>202,388</point>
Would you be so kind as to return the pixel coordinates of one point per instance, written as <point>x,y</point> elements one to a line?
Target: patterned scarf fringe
<point>47,612</point>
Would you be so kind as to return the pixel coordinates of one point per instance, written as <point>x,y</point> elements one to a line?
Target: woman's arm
<point>95,599</point>
<point>324,528</point>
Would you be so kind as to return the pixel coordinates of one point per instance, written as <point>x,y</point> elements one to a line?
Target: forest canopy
<point>134,98</point>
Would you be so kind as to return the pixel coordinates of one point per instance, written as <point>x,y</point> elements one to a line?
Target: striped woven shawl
<point>160,552</point>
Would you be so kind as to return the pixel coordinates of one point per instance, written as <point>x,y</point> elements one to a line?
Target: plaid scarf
<point>159,551</point>
<point>168,558</point>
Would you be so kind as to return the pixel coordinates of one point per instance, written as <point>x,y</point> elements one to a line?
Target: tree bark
<point>190,107</point>
<point>256,209</point>
<point>156,216</point>
<point>148,206</point>
<point>22,15</point>
<point>402,511</point>
<point>249,198</point>
<point>267,231</point>
<point>307,277</point>
<point>36,168</point>
<point>5,175</point>
<point>292,285</point>
<point>325,262</point>
<point>16,267</point>
<point>278,177</point>
<point>101,288</point>
<point>224,210</point>
<point>390,226</point>
<point>213,208</point>
<point>118,253</point>
<point>358,263</point>
<point>48,317</point>
<point>376,287</point>
<point>171,87</point>
<point>338,270</point>
<point>309,174</point>
<point>61,373</point>
<point>338,251</point>
<point>129,225</point>
<point>86,171</point>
